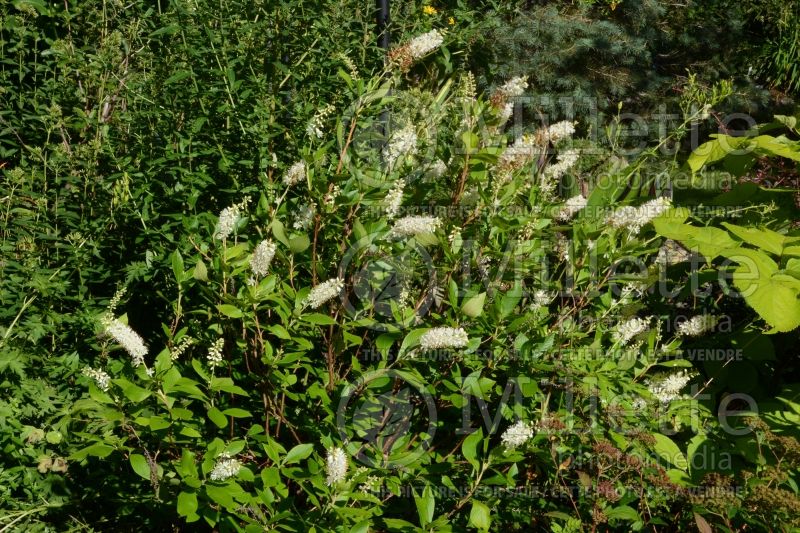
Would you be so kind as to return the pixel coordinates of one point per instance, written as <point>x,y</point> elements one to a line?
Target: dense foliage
<point>258,274</point>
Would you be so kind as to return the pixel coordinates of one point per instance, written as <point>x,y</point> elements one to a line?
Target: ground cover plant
<point>260,274</point>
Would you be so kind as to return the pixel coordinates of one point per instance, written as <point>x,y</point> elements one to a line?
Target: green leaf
<point>766,239</point>
<point>623,512</point>
<point>216,416</point>
<point>299,243</point>
<point>470,448</point>
<point>425,506</point>
<point>200,272</point>
<point>235,412</point>
<point>140,465</point>
<point>318,318</point>
<point>177,266</point>
<point>480,516</point>
<point>187,503</point>
<point>230,310</point>
<point>298,453</point>
<point>669,451</point>
<point>474,306</point>
<point>133,392</point>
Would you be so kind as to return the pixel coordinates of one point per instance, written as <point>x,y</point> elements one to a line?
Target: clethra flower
<point>630,329</point>
<point>305,216</point>
<point>517,435</point>
<point>669,388</point>
<point>295,174</point>
<point>402,143</point>
<point>324,292</point>
<point>394,199</point>
<point>436,338</point>
<point>129,339</point>
<point>214,356</point>
<point>262,257</point>
<point>99,376</point>
<point>335,466</point>
<point>560,130</point>
<point>634,218</point>
<point>227,222</point>
<point>415,225</point>
<point>566,161</point>
<point>571,208</point>
<point>424,44</point>
<point>226,468</point>
<point>697,325</point>
<point>404,55</point>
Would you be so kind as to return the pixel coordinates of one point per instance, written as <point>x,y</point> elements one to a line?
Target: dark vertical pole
<point>383,23</point>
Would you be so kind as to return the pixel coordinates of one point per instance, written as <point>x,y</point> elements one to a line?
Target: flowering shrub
<point>416,324</point>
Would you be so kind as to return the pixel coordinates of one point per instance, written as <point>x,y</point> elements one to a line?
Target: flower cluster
<point>517,435</point>
<point>394,199</point>
<point>176,352</point>
<point>305,216</point>
<point>262,257</point>
<point>415,225</point>
<point>501,99</point>
<point>228,218</point>
<point>560,131</point>
<point>437,338</point>
<point>424,44</point>
<point>630,329</point>
<point>418,47</point>
<point>295,174</point>
<point>566,160</point>
<point>225,468</point>
<point>324,292</point>
<point>100,377</point>
<point>214,356</point>
<point>669,388</point>
<point>697,325</point>
<point>634,218</point>
<point>335,466</point>
<point>571,208</point>
<point>541,298</point>
<point>314,127</point>
<point>402,143</point>
<point>128,339</point>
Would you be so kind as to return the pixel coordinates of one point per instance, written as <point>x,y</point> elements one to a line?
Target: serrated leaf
<point>480,516</point>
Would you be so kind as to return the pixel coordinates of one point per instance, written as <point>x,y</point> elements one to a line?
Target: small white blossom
<point>436,338</point>
<point>401,144</point>
<point>335,466</point>
<point>669,388</point>
<point>295,174</point>
<point>330,197</point>
<point>541,298</point>
<point>129,339</point>
<point>513,87</point>
<point>225,468</point>
<point>697,325</point>
<point>517,435</point>
<point>634,218</point>
<point>630,329</point>
<point>305,216</point>
<point>505,113</point>
<point>571,208</point>
<point>394,199</point>
<point>560,130</point>
<point>228,218</point>
<point>214,356</point>
<point>99,376</point>
<point>437,169</point>
<point>314,127</point>
<point>422,45</point>
<point>262,257</point>
<point>324,292</point>
<point>566,161</point>
<point>415,225</point>
<point>175,354</point>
